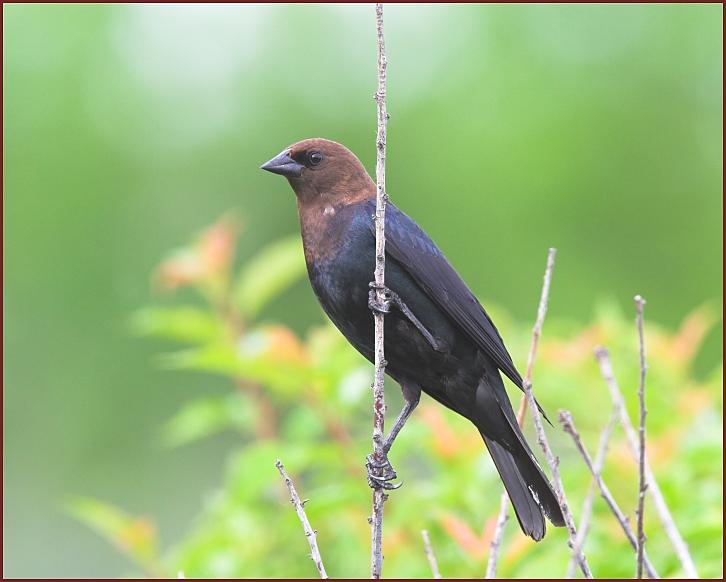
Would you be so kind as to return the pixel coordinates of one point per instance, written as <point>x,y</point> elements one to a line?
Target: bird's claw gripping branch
<point>387,474</point>
<point>373,303</point>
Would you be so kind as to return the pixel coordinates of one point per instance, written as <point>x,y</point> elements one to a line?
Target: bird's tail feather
<point>526,484</point>
<point>527,487</point>
<point>526,509</point>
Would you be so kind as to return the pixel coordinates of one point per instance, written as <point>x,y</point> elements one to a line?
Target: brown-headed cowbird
<point>438,338</point>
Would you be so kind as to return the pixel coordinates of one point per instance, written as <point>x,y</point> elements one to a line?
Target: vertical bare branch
<point>569,426</point>
<point>309,531</point>
<point>584,526</point>
<point>642,485</point>
<point>430,554</point>
<point>669,524</point>
<point>536,333</point>
<point>379,404</point>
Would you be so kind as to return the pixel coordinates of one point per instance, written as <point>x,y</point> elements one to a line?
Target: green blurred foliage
<point>306,400</point>
<point>595,129</point>
<point>134,536</point>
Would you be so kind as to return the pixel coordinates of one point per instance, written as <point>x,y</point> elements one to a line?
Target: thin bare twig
<point>498,534</point>
<point>642,485</point>
<point>309,531</point>
<point>430,554</point>
<point>569,427</point>
<point>379,404</point>
<point>583,527</point>
<point>541,312</point>
<point>669,524</point>
<point>552,461</point>
<point>536,333</point>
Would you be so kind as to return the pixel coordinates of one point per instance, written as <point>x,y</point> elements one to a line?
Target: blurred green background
<point>129,128</point>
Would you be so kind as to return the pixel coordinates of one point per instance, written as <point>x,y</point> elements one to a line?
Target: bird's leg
<point>392,298</point>
<point>412,395</point>
<point>380,473</point>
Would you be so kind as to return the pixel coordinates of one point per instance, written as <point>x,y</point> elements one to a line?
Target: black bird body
<point>340,281</point>
<point>462,369</point>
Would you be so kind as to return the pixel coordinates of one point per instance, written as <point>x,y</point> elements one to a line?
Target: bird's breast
<point>340,279</point>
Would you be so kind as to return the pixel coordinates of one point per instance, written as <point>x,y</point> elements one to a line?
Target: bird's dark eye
<point>315,158</point>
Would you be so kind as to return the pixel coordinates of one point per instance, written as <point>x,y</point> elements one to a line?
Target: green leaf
<point>269,273</point>
<point>184,324</point>
<point>134,536</point>
<point>284,377</point>
<point>207,416</point>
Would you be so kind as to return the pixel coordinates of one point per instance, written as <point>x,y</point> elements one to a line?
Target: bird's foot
<point>373,303</point>
<point>381,473</point>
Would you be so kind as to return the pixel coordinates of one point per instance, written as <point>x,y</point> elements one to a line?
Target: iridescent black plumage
<point>336,201</point>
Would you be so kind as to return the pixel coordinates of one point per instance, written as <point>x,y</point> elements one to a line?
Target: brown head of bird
<point>322,173</point>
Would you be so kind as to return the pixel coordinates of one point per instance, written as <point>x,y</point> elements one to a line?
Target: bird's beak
<point>284,165</point>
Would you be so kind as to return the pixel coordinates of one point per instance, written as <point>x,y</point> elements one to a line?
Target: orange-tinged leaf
<point>134,535</point>
<point>692,332</point>
<point>619,454</point>
<point>210,256</point>
<point>275,343</point>
<point>184,268</point>
<point>476,545</point>
<point>463,535</point>
<point>139,534</point>
<point>661,449</point>
<point>517,549</point>
<point>395,539</point>
<point>447,443</point>
<point>694,400</point>
<point>216,245</point>
<point>573,351</point>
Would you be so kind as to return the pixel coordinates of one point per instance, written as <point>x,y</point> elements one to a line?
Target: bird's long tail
<point>525,482</point>
<point>527,487</point>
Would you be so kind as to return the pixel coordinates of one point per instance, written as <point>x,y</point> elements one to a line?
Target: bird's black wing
<point>413,249</point>
<point>410,246</point>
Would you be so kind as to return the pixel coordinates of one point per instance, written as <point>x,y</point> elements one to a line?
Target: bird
<point>438,337</point>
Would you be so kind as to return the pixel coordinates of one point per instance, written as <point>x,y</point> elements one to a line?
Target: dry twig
<point>536,333</point>
<point>642,485</point>
<point>498,534</point>
<point>677,541</point>
<point>309,531</point>
<point>430,554</point>
<point>569,426</point>
<point>379,405</point>
<point>552,461</point>
<point>583,527</point>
